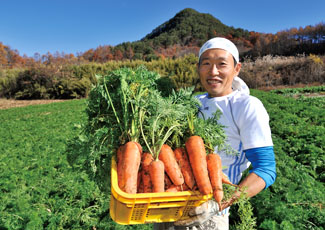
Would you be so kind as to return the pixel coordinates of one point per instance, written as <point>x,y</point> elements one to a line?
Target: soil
<point>10,103</point>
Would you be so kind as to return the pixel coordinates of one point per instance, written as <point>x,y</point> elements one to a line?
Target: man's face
<point>217,71</point>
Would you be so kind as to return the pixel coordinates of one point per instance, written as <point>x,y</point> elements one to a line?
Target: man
<point>246,126</point>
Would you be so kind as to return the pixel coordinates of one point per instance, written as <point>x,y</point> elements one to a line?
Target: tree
<point>3,55</point>
<point>118,55</point>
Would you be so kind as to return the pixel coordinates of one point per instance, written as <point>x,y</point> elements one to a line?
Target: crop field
<point>39,189</point>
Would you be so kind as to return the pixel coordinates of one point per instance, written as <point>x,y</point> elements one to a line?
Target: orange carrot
<point>172,168</point>
<point>172,188</point>
<point>184,164</point>
<point>183,187</point>
<point>157,172</point>
<point>139,146</point>
<point>131,164</point>
<point>146,160</point>
<point>197,156</point>
<point>177,188</point>
<point>168,182</point>
<point>225,180</point>
<point>119,158</point>
<point>215,174</point>
<point>140,186</point>
<point>146,181</point>
<point>139,179</point>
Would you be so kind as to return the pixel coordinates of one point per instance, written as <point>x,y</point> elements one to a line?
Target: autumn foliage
<point>182,35</point>
<point>289,57</point>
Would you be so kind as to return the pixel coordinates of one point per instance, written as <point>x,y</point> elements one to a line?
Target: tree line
<point>307,40</point>
<point>176,39</point>
<point>74,81</point>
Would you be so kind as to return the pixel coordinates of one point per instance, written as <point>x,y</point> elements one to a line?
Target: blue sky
<point>72,26</point>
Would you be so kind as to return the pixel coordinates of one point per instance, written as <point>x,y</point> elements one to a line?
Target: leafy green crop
<point>38,187</point>
<point>294,91</point>
<point>296,199</point>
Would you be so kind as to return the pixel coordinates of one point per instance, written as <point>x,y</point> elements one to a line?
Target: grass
<point>32,166</point>
<point>38,188</point>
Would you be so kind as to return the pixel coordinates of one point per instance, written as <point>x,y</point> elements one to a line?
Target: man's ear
<point>198,69</point>
<point>198,75</point>
<point>237,68</point>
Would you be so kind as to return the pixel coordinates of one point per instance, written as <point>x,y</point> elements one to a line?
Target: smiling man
<point>217,69</point>
<point>247,128</point>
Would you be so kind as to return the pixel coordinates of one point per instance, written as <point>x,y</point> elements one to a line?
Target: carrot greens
<point>131,94</point>
<point>210,131</point>
<point>161,120</point>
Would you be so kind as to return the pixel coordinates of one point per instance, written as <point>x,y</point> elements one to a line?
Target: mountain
<point>184,34</point>
<point>189,27</point>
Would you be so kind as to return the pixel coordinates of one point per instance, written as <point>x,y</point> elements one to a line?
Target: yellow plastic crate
<point>144,208</point>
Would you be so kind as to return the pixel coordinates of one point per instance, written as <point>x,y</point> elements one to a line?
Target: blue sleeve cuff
<point>263,162</point>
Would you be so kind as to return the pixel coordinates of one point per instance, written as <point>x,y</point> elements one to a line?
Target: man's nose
<point>214,70</point>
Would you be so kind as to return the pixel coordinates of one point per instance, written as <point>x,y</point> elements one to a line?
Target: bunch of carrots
<point>150,158</point>
<point>183,169</point>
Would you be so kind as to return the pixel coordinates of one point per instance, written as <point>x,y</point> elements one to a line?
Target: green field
<point>40,190</point>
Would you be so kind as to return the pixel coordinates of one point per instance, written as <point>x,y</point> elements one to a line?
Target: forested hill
<point>184,34</point>
<point>190,27</point>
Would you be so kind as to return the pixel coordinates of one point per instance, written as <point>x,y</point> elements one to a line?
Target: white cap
<point>220,43</point>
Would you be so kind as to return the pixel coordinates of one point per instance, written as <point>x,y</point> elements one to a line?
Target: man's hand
<point>200,214</point>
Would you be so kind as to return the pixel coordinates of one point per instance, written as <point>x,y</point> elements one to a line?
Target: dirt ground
<point>10,103</point>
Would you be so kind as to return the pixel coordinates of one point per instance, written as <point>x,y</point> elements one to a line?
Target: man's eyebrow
<point>218,58</point>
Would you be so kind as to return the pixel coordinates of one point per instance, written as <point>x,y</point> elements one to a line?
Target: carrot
<point>140,186</point>
<point>146,181</point>
<point>177,188</point>
<point>215,174</point>
<point>119,157</point>
<point>139,146</point>
<point>146,160</point>
<point>184,164</point>
<point>168,182</point>
<point>184,187</point>
<point>172,188</point>
<point>197,156</point>
<point>139,179</point>
<point>172,168</point>
<point>157,174</point>
<point>225,180</point>
<point>131,164</point>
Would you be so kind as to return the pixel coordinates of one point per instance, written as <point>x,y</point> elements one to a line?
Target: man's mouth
<point>213,81</point>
